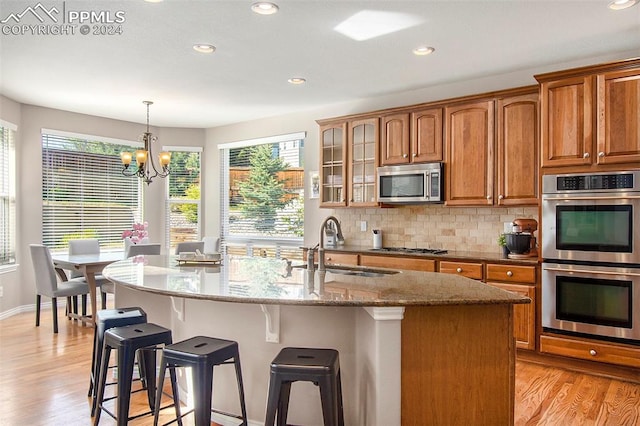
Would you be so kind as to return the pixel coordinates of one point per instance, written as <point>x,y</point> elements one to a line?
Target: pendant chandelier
<point>146,169</point>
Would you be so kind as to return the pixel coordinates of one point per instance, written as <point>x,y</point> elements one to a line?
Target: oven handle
<point>587,271</point>
<point>590,198</point>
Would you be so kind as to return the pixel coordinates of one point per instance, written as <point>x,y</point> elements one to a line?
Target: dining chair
<point>211,244</point>
<point>90,246</point>
<point>190,246</point>
<point>47,282</point>
<point>136,249</point>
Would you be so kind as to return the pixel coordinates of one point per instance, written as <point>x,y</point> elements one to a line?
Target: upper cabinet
<point>492,151</point>
<point>517,165</point>
<point>470,152</point>
<point>348,162</point>
<point>363,161</point>
<point>411,137</point>
<point>333,164</point>
<point>618,124</point>
<point>590,116</point>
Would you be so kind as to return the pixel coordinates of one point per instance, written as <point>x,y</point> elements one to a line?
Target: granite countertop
<point>274,281</point>
<point>464,256</point>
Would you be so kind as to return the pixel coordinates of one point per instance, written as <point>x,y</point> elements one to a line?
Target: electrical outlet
<point>363,225</point>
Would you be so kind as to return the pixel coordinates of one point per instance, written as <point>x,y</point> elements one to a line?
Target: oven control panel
<point>618,181</point>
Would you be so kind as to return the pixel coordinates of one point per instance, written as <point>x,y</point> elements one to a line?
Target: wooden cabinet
<point>333,160</point>
<point>335,258</point>
<point>591,350</point>
<point>466,269</point>
<point>392,262</point>
<point>469,139</point>
<point>521,280</point>
<point>363,143</point>
<point>426,135</point>
<point>517,165</point>
<point>590,116</point>
<point>348,162</point>
<point>618,124</point>
<point>414,137</point>
<point>566,115</point>
<point>493,162</point>
<point>394,140</point>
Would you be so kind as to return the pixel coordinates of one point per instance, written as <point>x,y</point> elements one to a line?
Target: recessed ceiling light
<point>297,80</point>
<point>153,1</point>
<point>423,50</point>
<point>622,4</point>
<point>204,48</point>
<point>264,8</point>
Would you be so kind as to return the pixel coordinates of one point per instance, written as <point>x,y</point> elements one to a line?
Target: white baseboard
<point>24,308</point>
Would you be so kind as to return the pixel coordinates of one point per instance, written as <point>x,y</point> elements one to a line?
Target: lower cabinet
<point>521,280</point>
<point>612,353</point>
<point>412,264</point>
<point>333,258</point>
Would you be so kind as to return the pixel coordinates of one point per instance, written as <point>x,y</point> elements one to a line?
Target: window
<point>84,193</point>
<point>7,194</point>
<point>263,193</point>
<point>183,200</point>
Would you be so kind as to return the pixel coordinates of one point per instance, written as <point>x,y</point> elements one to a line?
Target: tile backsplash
<point>432,226</point>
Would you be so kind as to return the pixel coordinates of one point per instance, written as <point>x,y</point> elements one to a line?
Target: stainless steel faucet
<point>339,237</point>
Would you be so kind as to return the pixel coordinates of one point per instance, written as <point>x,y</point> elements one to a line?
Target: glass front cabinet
<point>333,160</point>
<point>363,161</point>
<point>348,162</point>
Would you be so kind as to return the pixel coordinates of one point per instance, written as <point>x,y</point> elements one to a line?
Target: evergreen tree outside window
<point>263,191</point>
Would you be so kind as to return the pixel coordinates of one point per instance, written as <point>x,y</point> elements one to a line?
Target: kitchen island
<point>414,346</point>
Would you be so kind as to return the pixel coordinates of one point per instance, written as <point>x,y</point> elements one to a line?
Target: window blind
<point>7,195</point>
<point>183,201</point>
<point>84,194</point>
<point>263,192</point>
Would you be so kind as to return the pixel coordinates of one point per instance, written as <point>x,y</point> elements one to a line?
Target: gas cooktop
<point>411,250</point>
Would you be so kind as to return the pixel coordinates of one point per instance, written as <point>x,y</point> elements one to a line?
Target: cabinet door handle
<point>488,197</point>
<point>459,270</point>
<point>586,155</point>
<point>601,154</point>
<point>509,273</point>
<point>404,155</point>
<point>500,197</point>
<point>414,155</point>
<point>593,352</point>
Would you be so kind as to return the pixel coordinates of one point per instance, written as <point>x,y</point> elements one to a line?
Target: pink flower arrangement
<point>136,234</point>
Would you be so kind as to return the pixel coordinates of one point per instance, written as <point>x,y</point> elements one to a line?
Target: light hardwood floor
<point>44,381</point>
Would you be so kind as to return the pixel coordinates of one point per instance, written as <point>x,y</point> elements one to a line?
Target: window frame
<point>251,241</point>
<point>8,227</point>
<point>137,210</point>
<point>169,201</point>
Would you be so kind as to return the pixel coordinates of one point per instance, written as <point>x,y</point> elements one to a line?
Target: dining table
<point>89,265</point>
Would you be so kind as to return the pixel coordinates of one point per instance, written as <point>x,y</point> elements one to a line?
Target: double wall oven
<point>591,255</point>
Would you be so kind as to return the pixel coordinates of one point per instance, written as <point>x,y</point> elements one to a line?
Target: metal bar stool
<point>106,319</point>
<point>127,340</point>
<point>202,354</point>
<point>320,366</point>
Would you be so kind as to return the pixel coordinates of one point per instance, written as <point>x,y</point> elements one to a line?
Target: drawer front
<point>592,351</point>
<point>511,273</point>
<point>425,265</point>
<point>469,270</point>
<point>333,258</point>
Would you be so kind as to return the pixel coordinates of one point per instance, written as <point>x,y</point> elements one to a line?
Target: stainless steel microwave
<point>411,184</point>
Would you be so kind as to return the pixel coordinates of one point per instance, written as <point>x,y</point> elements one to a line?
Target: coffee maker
<point>522,229</point>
